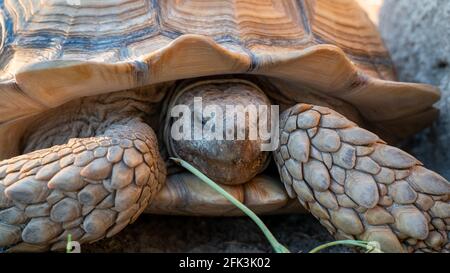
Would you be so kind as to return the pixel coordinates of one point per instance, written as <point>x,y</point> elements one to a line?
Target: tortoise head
<point>222,128</point>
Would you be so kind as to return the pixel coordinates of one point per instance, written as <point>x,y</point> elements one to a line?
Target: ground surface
<point>190,234</point>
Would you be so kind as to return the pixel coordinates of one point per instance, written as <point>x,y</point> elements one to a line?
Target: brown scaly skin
<point>359,187</point>
<point>88,168</point>
<point>90,188</point>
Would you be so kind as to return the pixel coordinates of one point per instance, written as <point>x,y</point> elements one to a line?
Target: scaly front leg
<point>359,187</point>
<point>90,188</point>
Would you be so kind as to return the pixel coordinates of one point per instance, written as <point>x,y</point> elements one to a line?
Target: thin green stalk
<point>68,246</point>
<point>279,248</point>
<point>369,246</point>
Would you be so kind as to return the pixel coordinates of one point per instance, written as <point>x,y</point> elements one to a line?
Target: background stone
<point>417,34</point>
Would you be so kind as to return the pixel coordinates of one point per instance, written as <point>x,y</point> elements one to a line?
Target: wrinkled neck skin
<point>89,117</point>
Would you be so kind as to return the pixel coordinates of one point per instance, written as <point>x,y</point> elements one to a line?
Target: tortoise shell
<point>59,50</point>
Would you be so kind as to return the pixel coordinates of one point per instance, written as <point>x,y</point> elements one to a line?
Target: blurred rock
<point>417,34</point>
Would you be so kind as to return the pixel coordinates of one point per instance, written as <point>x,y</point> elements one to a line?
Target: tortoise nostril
<point>442,64</point>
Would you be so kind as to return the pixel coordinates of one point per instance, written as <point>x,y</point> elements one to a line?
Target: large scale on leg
<point>324,53</point>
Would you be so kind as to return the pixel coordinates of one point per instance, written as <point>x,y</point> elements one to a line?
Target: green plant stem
<point>279,248</point>
<point>362,244</point>
<point>69,240</point>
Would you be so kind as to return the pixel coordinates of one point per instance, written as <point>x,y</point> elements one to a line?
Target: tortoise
<point>85,132</point>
